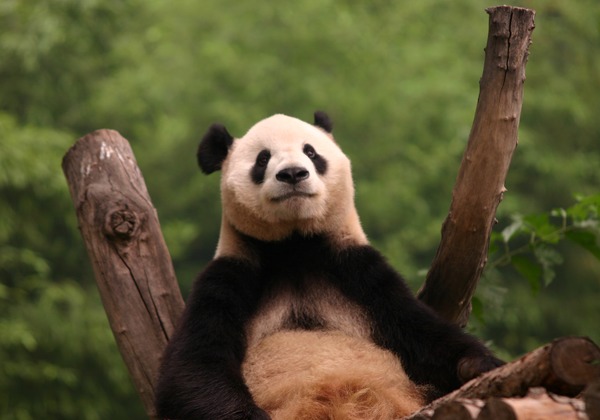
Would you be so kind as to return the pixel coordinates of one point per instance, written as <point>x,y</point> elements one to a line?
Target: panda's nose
<point>292,175</point>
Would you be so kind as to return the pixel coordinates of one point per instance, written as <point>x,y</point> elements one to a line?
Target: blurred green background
<point>400,80</point>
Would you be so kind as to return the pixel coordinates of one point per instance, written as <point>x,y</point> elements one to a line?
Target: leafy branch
<point>529,243</point>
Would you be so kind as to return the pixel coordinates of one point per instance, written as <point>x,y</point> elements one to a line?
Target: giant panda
<point>297,316</point>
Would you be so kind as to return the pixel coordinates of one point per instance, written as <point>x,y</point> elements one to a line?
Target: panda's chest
<point>307,304</point>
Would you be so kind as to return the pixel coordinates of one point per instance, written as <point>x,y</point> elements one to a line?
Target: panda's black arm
<point>200,376</point>
<point>432,351</point>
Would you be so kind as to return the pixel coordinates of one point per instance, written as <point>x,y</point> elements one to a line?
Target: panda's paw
<point>471,367</point>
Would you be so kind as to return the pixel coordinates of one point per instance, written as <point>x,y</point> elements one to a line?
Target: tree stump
<point>131,262</point>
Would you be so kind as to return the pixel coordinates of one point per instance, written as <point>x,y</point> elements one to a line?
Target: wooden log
<point>564,367</point>
<point>479,187</point>
<point>457,410</point>
<point>132,265</point>
<point>536,405</point>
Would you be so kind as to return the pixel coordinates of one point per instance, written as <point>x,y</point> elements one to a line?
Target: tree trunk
<point>462,253</point>
<point>564,367</point>
<point>131,262</point>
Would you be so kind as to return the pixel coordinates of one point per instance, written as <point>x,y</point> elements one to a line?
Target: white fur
<point>327,206</point>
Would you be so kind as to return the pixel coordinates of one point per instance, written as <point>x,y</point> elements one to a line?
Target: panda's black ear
<point>213,148</point>
<point>322,120</point>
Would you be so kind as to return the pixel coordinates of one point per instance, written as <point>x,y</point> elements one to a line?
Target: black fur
<point>201,377</point>
<point>319,161</point>
<point>213,148</point>
<point>323,121</point>
<point>257,172</point>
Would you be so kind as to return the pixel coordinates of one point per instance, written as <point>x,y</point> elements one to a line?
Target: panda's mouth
<point>292,194</point>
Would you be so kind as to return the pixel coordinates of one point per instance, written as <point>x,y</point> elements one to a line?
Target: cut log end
<point>576,361</point>
<point>453,410</point>
<point>497,409</point>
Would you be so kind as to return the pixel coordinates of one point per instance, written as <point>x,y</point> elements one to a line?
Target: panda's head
<point>283,177</point>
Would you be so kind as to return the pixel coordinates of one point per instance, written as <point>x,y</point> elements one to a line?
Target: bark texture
<point>131,262</point>
<point>536,405</point>
<point>479,187</point>
<point>564,367</point>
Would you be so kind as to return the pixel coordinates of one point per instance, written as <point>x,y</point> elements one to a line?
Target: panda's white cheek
<point>245,192</point>
<point>318,188</point>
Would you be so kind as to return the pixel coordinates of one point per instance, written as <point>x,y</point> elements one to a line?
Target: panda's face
<point>284,176</point>
<point>285,172</point>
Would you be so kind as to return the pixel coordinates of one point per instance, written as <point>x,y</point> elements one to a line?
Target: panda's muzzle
<point>292,194</point>
<point>292,175</point>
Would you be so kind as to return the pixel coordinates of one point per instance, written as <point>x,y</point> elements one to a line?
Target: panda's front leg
<point>200,376</point>
<point>432,351</point>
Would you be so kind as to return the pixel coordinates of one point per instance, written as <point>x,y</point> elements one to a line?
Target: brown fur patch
<point>326,375</point>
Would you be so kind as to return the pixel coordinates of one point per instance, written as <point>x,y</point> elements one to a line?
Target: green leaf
<point>548,258</point>
<point>540,225</point>
<point>509,231</point>
<point>559,212</point>
<point>528,269</point>
<point>586,239</point>
<point>586,208</point>
<point>537,221</point>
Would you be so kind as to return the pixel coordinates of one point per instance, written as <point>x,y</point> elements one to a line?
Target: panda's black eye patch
<point>310,151</point>
<point>263,158</point>
<point>260,166</point>
<point>318,160</point>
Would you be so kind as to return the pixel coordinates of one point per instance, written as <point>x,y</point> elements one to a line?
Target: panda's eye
<point>309,151</point>
<point>319,161</point>
<point>263,158</point>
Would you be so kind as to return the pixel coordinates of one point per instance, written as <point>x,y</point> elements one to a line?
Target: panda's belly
<point>318,308</point>
<point>306,375</point>
<point>311,355</point>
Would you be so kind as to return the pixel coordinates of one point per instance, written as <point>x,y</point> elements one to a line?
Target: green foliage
<point>530,243</point>
<point>59,356</point>
<point>398,78</point>
<point>558,254</point>
<point>59,359</point>
<point>53,53</point>
<point>54,338</point>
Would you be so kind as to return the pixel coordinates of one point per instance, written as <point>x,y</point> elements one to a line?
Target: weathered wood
<point>456,410</point>
<point>564,367</point>
<point>536,405</point>
<point>131,262</point>
<point>591,397</point>
<point>479,187</point>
